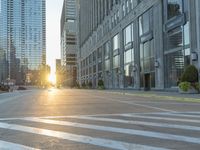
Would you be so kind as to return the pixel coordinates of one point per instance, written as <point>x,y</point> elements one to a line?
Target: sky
<point>53,14</point>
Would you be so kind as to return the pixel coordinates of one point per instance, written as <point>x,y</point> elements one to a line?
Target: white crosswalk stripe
<point>163,125</point>
<point>161,118</point>
<point>79,138</point>
<point>111,123</point>
<point>12,146</point>
<point>121,130</point>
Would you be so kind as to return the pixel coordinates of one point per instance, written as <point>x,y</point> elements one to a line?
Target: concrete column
<point>136,44</point>
<point>198,33</point>
<point>111,63</point>
<point>158,45</point>
<point>121,76</point>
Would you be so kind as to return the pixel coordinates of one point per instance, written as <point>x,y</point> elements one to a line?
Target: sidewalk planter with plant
<point>189,81</point>
<point>90,85</point>
<point>101,85</point>
<point>83,85</point>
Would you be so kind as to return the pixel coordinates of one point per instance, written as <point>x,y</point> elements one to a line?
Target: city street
<point>70,119</point>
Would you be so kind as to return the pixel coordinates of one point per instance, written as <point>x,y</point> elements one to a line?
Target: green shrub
<point>190,74</point>
<point>101,85</point>
<point>185,86</point>
<point>83,85</point>
<point>90,84</point>
<point>197,86</point>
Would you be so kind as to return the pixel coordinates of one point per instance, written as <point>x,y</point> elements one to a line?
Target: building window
<point>178,56</point>
<point>144,23</point>
<point>127,6</point>
<point>94,56</point>
<point>99,66</point>
<point>128,34</point>
<point>175,39</point>
<point>177,48</point>
<point>123,10</point>
<point>131,4</point>
<point>174,8</point>
<point>90,59</point>
<point>128,56</point>
<point>115,19</point>
<point>118,16</point>
<point>116,42</point>
<point>174,68</point>
<point>107,65</point>
<point>116,61</point>
<point>99,54</point>
<point>106,51</point>
<point>107,56</point>
<point>147,64</point>
<point>112,21</point>
<point>186,34</point>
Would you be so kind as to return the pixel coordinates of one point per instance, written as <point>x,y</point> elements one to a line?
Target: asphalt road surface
<point>67,119</point>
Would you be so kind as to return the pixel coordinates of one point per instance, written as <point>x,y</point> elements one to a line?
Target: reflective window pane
<point>174,8</point>
<point>128,56</point>
<point>116,42</point>
<point>116,61</point>
<point>107,65</point>
<point>106,50</point>
<point>174,68</point>
<point>144,23</point>
<point>186,34</point>
<point>128,34</point>
<point>175,39</point>
<point>129,79</point>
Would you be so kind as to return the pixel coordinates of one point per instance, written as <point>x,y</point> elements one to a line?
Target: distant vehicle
<point>21,88</point>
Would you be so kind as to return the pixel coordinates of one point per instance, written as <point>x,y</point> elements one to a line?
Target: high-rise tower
<point>69,40</point>
<point>22,38</point>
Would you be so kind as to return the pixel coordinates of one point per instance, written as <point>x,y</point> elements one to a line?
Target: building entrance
<point>147,65</point>
<point>147,82</point>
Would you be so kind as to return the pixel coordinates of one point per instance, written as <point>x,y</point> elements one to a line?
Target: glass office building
<point>68,41</point>
<point>22,38</point>
<point>138,44</point>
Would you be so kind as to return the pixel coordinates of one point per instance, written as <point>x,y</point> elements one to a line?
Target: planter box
<point>190,91</point>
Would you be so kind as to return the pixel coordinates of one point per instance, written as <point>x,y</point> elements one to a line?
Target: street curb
<point>161,97</point>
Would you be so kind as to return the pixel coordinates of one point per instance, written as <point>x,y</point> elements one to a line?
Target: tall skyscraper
<point>68,35</point>
<point>22,38</point>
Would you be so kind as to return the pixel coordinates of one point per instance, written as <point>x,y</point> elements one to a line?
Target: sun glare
<point>52,78</point>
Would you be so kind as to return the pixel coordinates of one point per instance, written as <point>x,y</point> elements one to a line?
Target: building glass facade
<point>23,38</point>
<point>177,48</point>
<point>129,56</point>
<point>145,44</point>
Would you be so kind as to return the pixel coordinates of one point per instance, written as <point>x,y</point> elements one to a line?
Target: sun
<point>52,78</point>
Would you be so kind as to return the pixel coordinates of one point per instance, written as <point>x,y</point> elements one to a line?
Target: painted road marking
<point>136,104</point>
<point>122,130</point>
<point>179,115</point>
<point>161,118</point>
<point>80,138</point>
<point>162,125</point>
<point>10,146</point>
<point>96,115</point>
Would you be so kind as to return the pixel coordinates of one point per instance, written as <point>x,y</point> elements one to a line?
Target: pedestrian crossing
<point>128,131</point>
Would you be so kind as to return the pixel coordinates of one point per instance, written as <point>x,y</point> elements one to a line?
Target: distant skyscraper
<point>22,38</point>
<point>69,40</point>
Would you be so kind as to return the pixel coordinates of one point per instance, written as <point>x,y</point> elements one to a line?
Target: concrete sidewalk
<point>2,92</point>
<point>159,94</point>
